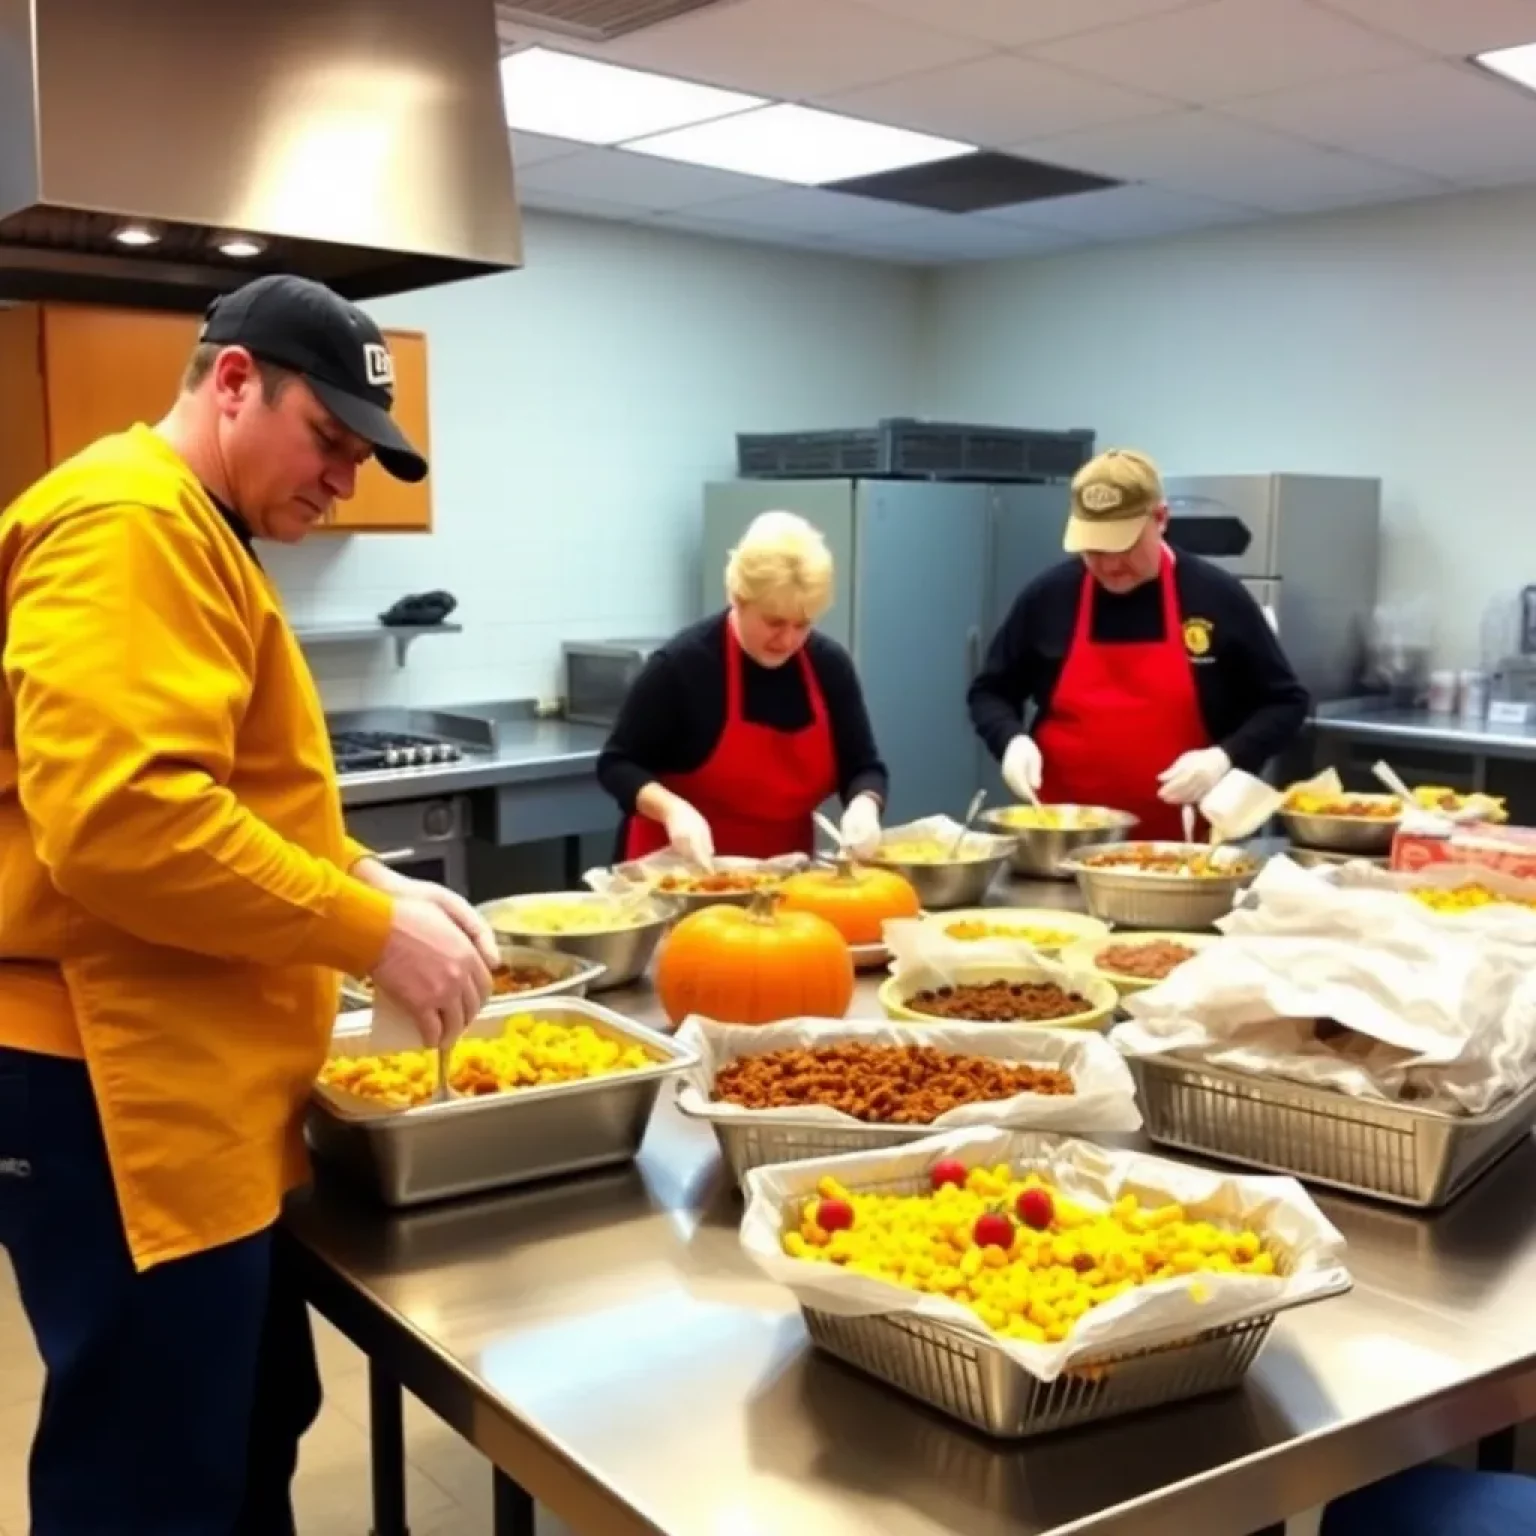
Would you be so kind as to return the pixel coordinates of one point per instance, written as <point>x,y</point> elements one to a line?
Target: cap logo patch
<point>378,366</point>
<point>1101,498</point>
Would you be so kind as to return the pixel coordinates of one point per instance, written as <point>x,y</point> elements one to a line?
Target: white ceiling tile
<point>548,200</point>
<point>1012,23</point>
<point>1230,49</point>
<point>1158,148</point>
<point>1128,213</point>
<point>638,181</point>
<point>789,48</point>
<point>997,100</point>
<point>1312,181</point>
<point>1211,155</point>
<point>535,148</point>
<point>1454,28</point>
<point>811,209</point>
<point>1439,118</point>
<point>748,234</point>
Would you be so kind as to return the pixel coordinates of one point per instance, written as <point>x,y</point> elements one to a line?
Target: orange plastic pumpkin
<point>754,965</point>
<point>855,901</point>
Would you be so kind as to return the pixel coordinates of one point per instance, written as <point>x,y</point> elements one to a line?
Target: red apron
<point>757,789</point>
<point>1120,715</point>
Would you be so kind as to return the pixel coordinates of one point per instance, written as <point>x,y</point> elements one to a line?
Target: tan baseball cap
<point>1113,495</point>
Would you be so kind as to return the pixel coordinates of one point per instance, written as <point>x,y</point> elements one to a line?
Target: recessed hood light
<point>565,96</point>
<point>136,235</point>
<point>1517,64</point>
<point>240,247</point>
<point>800,145</point>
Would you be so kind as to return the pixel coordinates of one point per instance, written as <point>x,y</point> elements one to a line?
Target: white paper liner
<point>923,955</point>
<point>1449,1018</point>
<point>1510,923</point>
<point>644,874</point>
<point>1105,1099</point>
<point>1278,1209</point>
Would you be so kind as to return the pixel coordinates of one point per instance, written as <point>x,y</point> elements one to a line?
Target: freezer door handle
<point>397,856</point>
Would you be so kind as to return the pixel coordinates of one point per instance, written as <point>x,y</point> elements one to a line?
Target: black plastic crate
<point>902,448</point>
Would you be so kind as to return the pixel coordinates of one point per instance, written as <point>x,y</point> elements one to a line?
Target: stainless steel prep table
<point>605,1344</point>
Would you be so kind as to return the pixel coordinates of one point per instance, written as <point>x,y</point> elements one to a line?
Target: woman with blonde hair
<point>742,724</point>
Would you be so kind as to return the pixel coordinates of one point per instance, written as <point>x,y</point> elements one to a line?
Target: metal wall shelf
<point>363,632</point>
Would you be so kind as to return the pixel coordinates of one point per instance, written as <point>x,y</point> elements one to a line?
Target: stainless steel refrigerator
<point>925,574</point>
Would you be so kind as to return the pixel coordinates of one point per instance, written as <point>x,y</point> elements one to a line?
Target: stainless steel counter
<point>527,752</point>
<point>1364,721</point>
<point>606,1344</point>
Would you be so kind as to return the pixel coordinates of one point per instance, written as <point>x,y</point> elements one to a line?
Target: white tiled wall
<point>577,406</point>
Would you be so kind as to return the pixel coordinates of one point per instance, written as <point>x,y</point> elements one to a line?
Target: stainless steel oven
<point>424,839</point>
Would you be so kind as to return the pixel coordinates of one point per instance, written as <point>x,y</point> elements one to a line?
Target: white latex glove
<point>689,835</point>
<point>1193,776</point>
<point>860,828</point>
<point>1023,767</point>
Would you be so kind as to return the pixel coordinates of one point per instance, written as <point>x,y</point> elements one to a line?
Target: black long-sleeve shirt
<point>674,714</point>
<point>1250,699</point>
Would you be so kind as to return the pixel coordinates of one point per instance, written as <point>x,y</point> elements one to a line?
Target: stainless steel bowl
<point>1134,899</point>
<point>1040,851</point>
<point>574,975</point>
<point>623,952</point>
<point>954,882</point>
<point>1340,834</point>
<point>684,902</point>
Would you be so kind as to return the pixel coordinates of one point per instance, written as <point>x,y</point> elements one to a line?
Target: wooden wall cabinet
<point>72,373</point>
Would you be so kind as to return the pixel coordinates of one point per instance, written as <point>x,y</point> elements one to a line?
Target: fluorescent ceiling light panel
<point>568,97</point>
<point>1517,64</point>
<point>800,145</point>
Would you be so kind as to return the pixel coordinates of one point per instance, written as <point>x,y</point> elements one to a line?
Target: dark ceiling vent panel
<point>973,183</point>
<point>594,21</point>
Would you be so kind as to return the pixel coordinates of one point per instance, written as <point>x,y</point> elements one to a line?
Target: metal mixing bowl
<point>625,952</point>
<point>946,883</point>
<point>1132,898</point>
<point>1340,834</point>
<point>1040,852</point>
<point>573,975</point>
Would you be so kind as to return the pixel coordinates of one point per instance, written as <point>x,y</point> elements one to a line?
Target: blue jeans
<point>174,1399</point>
<point>1437,1501</point>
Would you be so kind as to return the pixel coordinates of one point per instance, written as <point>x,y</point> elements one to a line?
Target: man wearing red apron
<point>1152,675</point>
<point>742,725</point>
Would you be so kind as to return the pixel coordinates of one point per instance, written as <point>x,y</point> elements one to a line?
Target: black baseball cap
<point>332,345</point>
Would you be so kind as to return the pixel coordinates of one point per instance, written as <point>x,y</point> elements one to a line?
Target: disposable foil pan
<point>468,1145</point>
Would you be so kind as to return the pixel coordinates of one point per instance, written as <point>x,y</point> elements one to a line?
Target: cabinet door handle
<point>397,856</point>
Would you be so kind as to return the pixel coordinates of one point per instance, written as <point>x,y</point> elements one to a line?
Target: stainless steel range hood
<point>360,142</point>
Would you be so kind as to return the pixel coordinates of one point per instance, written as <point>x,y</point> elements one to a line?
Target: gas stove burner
<point>367,751</point>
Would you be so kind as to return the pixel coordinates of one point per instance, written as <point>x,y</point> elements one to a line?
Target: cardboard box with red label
<point>1478,845</point>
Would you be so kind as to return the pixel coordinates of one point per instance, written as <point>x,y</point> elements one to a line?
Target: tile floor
<point>449,1484</point>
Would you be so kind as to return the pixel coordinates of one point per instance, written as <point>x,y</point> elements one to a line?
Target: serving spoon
<point>972,811</point>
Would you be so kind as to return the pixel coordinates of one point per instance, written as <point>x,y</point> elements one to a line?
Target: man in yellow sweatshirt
<point>177,897</point>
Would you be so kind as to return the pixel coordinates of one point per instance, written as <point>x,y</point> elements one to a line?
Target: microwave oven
<point>599,674</point>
